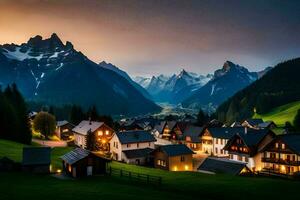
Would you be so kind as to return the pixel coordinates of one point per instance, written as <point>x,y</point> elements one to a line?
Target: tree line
<point>14,116</point>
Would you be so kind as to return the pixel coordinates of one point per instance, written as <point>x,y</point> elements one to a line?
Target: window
<point>149,144</point>
<point>222,151</point>
<point>137,145</point>
<point>282,146</point>
<point>158,162</point>
<point>217,141</point>
<point>182,158</point>
<point>161,163</point>
<point>221,141</point>
<point>216,150</point>
<point>276,145</point>
<point>128,145</point>
<point>116,144</point>
<point>246,159</point>
<point>106,132</point>
<point>100,133</point>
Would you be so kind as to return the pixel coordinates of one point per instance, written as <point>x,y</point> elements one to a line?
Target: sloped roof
<point>62,123</point>
<point>253,137</point>
<point>159,127</point>
<point>127,137</point>
<point>84,126</point>
<point>292,141</point>
<point>193,132</point>
<point>137,153</point>
<point>236,124</point>
<point>265,124</point>
<point>225,132</point>
<point>171,124</point>
<point>254,122</point>
<point>36,156</point>
<point>75,155</point>
<point>176,149</point>
<point>219,165</point>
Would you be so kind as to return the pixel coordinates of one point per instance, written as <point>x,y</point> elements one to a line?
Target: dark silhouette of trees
<point>44,123</point>
<point>202,118</point>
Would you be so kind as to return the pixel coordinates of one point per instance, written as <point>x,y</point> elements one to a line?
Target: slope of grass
<point>176,185</point>
<point>281,114</point>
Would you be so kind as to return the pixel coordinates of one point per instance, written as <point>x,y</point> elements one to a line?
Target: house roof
<point>127,137</point>
<point>265,124</point>
<point>137,153</point>
<point>221,165</point>
<point>84,126</point>
<point>36,156</point>
<point>193,132</point>
<point>254,122</point>
<point>292,141</point>
<point>62,123</point>
<point>75,155</point>
<point>171,124</point>
<point>159,127</point>
<point>176,149</point>
<point>225,132</point>
<point>236,124</point>
<point>253,137</point>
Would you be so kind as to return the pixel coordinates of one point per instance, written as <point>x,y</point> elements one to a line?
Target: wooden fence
<point>134,176</point>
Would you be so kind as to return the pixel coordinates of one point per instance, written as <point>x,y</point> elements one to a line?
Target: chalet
<point>130,124</point>
<point>99,131</point>
<point>177,133</point>
<point>64,129</point>
<point>213,140</point>
<point>192,137</point>
<point>36,159</point>
<point>282,155</point>
<point>174,157</point>
<point>213,165</point>
<point>164,129</point>
<point>245,146</point>
<point>252,123</point>
<point>81,162</point>
<point>132,146</point>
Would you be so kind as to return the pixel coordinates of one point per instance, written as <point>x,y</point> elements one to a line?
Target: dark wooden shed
<point>36,159</point>
<point>81,162</point>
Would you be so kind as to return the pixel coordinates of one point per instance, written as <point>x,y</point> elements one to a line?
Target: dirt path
<point>50,143</point>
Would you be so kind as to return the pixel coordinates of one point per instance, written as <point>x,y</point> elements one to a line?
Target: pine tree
<point>202,118</point>
<point>296,121</point>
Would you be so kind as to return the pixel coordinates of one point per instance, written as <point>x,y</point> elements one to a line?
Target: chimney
<point>246,130</point>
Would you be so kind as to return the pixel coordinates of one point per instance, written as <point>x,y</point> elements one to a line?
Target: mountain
<point>281,85</point>
<point>48,71</point>
<point>175,88</point>
<point>224,83</point>
<point>126,76</point>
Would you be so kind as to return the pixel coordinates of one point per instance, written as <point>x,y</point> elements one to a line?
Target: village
<point>247,148</point>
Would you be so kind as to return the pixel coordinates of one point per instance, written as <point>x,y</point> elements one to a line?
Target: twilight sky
<point>159,36</point>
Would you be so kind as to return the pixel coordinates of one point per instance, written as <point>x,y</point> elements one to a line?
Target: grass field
<point>176,185</point>
<point>281,114</point>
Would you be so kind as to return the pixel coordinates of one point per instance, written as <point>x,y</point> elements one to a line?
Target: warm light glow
<point>175,168</point>
<point>100,133</point>
<point>259,169</point>
<point>107,132</point>
<point>103,141</point>
<point>58,171</point>
<point>282,168</point>
<point>65,130</point>
<point>186,167</point>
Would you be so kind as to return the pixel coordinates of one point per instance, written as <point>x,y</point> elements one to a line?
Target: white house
<point>100,130</point>
<point>132,146</point>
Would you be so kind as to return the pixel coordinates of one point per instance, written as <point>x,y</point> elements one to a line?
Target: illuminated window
<point>276,145</point>
<point>100,133</point>
<point>65,130</point>
<point>106,132</point>
<point>283,146</point>
<point>158,162</point>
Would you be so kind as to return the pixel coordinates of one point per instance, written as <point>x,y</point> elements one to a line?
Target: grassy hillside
<point>176,185</point>
<point>281,114</point>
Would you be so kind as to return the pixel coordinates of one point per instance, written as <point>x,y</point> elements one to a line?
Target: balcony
<point>281,161</point>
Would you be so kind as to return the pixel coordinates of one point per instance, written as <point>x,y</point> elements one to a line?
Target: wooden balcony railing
<point>280,161</point>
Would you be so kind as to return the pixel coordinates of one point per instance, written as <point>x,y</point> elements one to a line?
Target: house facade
<point>99,133</point>
<point>245,147</point>
<point>282,155</point>
<point>64,129</point>
<point>174,157</point>
<point>132,146</point>
<point>192,137</point>
<point>81,162</point>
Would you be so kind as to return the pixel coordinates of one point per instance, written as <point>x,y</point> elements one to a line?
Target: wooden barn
<point>64,129</point>
<point>36,159</point>
<point>81,162</point>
